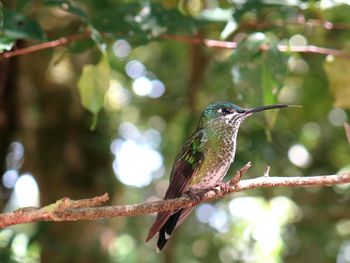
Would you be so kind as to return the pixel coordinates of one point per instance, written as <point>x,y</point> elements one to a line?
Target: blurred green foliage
<point>148,92</point>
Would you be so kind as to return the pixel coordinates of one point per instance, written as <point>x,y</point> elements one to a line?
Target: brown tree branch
<point>283,48</point>
<point>69,210</point>
<point>62,41</point>
<point>211,43</point>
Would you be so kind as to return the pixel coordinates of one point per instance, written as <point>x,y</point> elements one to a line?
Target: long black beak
<point>262,108</point>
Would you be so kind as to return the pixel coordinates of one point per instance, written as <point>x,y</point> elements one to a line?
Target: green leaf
<point>22,5</point>
<point>93,84</point>
<point>248,6</point>
<point>249,49</point>
<point>258,8</point>
<point>141,21</point>
<point>81,46</point>
<point>70,7</point>
<point>274,70</point>
<point>338,72</point>
<point>269,96</point>
<point>98,40</point>
<point>6,43</point>
<point>18,26</point>
<point>1,16</point>
<point>260,73</point>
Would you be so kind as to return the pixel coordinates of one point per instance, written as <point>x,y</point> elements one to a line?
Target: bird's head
<point>227,112</point>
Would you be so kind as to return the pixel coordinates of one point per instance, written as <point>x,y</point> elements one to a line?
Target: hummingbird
<point>203,161</point>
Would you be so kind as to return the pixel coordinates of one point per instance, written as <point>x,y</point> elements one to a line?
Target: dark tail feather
<point>166,231</point>
<point>160,221</point>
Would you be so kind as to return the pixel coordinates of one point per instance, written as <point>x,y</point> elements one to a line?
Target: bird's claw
<point>193,196</point>
<point>223,187</point>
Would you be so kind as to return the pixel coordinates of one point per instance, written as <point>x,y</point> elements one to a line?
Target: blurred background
<point>109,111</point>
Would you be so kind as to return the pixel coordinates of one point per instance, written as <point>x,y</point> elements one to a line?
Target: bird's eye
<point>225,111</point>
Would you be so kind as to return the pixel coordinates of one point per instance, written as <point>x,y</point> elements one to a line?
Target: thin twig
<point>301,21</point>
<point>239,174</point>
<point>62,41</point>
<point>267,171</point>
<point>211,43</point>
<point>347,131</point>
<point>283,48</point>
<point>57,212</point>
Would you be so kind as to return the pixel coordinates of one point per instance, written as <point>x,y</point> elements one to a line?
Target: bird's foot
<point>193,196</point>
<point>223,187</point>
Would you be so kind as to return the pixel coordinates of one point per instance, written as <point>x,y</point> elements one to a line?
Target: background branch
<point>62,41</point>
<point>70,210</point>
<point>347,131</point>
<point>301,21</point>
<point>211,43</point>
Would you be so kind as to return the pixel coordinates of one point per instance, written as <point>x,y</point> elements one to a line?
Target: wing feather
<point>187,163</point>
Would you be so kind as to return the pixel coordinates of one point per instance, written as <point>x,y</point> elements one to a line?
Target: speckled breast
<point>219,155</point>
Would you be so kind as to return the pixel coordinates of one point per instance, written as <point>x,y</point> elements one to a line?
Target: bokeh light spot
<point>298,65</point>
<point>311,132</point>
<point>200,248</point>
<point>204,212</point>
<point>337,117</point>
<point>343,227</point>
<point>297,40</point>
<point>116,96</point>
<point>122,246</point>
<point>157,90</point>
<point>121,48</point>
<point>137,159</point>
<point>128,130</point>
<point>299,156</point>
<point>135,69</point>
<point>14,158</point>
<point>26,192</point>
<point>263,222</point>
<point>157,123</point>
<point>142,86</point>
<point>135,163</point>
<point>9,178</point>
<point>219,220</point>
<point>344,252</point>
<point>153,137</point>
<point>19,245</point>
<point>246,207</point>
